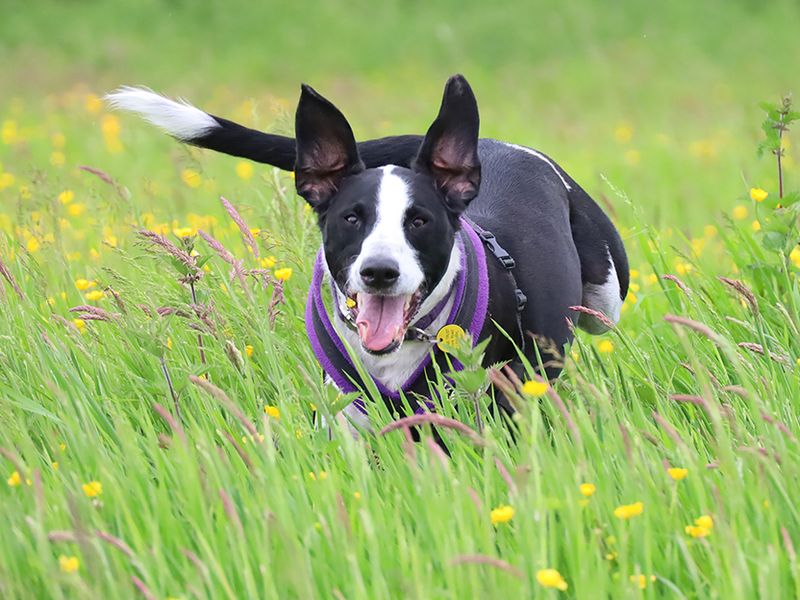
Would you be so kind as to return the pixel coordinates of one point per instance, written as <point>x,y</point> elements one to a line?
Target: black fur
<point>559,237</point>
<point>592,229</point>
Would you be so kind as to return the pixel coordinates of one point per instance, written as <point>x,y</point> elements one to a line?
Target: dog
<point>424,232</point>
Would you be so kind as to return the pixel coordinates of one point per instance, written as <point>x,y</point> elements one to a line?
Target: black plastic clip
<point>496,249</point>
<point>522,300</point>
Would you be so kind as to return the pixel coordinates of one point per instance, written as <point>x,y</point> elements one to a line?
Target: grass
<point>658,122</point>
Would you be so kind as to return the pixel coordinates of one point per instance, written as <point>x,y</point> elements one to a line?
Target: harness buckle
<point>522,300</point>
<point>499,252</point>
<point>506,260</point>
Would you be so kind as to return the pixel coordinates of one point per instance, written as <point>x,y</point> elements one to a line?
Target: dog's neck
<point>394,369</point>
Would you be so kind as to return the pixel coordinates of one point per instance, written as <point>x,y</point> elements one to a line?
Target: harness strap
<point>505,259</point>
<point>469,310</point>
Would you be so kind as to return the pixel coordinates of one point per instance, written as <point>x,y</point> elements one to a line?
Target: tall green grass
<point>230,501</point>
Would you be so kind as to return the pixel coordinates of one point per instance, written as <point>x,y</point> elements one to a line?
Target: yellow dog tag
<point>449,337</point>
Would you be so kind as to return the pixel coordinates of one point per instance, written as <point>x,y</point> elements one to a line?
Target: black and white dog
<point>407,243</point>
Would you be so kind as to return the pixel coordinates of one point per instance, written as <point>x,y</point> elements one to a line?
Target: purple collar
<point>470,303</point>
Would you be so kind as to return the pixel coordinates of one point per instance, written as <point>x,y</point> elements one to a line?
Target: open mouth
<point>382,321</point>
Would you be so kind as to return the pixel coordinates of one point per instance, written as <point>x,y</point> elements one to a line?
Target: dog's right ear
<point>326,149</point>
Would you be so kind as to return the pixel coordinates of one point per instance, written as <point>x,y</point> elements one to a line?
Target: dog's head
<point>388,233</point>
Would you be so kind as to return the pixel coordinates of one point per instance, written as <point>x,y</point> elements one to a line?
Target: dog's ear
<point>326,148</point>
<point>449,152</point>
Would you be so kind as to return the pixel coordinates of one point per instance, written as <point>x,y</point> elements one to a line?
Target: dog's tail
<point>191,125</point>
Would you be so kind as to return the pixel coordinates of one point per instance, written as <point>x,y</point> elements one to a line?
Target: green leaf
<point>774,241</point>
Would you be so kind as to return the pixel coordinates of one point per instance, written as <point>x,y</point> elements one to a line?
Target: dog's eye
<point>351,218</point>
<point>417,222</point>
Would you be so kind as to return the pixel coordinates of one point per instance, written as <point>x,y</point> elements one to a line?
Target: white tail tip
<point>178,118</point>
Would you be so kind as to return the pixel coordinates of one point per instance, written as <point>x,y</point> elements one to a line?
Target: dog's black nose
<point>380,273</point>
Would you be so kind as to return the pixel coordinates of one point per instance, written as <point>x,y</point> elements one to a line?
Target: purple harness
<point>470,306</point>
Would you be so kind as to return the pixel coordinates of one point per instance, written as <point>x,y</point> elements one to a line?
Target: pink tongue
<point>380,320</point>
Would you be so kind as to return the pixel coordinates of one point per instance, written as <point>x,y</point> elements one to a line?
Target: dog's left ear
<point>326,149</point>
<point>449,152</point>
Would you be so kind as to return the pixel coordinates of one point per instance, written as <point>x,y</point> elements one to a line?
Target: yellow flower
<point>84,284</point>
<point>756,225</point>
<point>33,245</point>
<point>696,531</point>
<point>641,580</point>
<point>283,274</point>
<point>633,157</point>
<point>191,178</point>
<point>267,262</point>
<point>535,389</point>
<point>272,411</point>
<point>15,479</point>
<point>94,295</point>
<point>677,473</point>
<point>68,564</point>
<point>704,521</point>
<point>550,578</point>
<point>628,511</point>
<point>652,278</point>
<point>57,159</point>
<point>6,180</point>
<point>357,495</point>
<point>794,256</point>
<point>25,192</point>
<point>502,514</point>
<point>66,196</point>
<point>110,126</point>
<point>59,140</point>
<point>698,244</point>
<point>623,133</point>
<point>244,170</point>
<point>710,231</point>
<point>248,350</point>
<point>55,465</point>
<point>92,489</point>
<point>758,195</point>
<point>701,528</point>
<point>605,347</point>
<point>740,212</point>
<point>183,232</point>
<point>80,324</point>
<point>682,267</point>
<point>9,132</point>
<point>93,104</point>
<point>587,489</point>
<point>76,210</point>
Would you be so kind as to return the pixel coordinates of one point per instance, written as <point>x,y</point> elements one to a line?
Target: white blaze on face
<point>382,316</point>
<point>387,240</point>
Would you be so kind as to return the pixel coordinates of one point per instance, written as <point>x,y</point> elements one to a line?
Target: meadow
<point>158,396</point>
